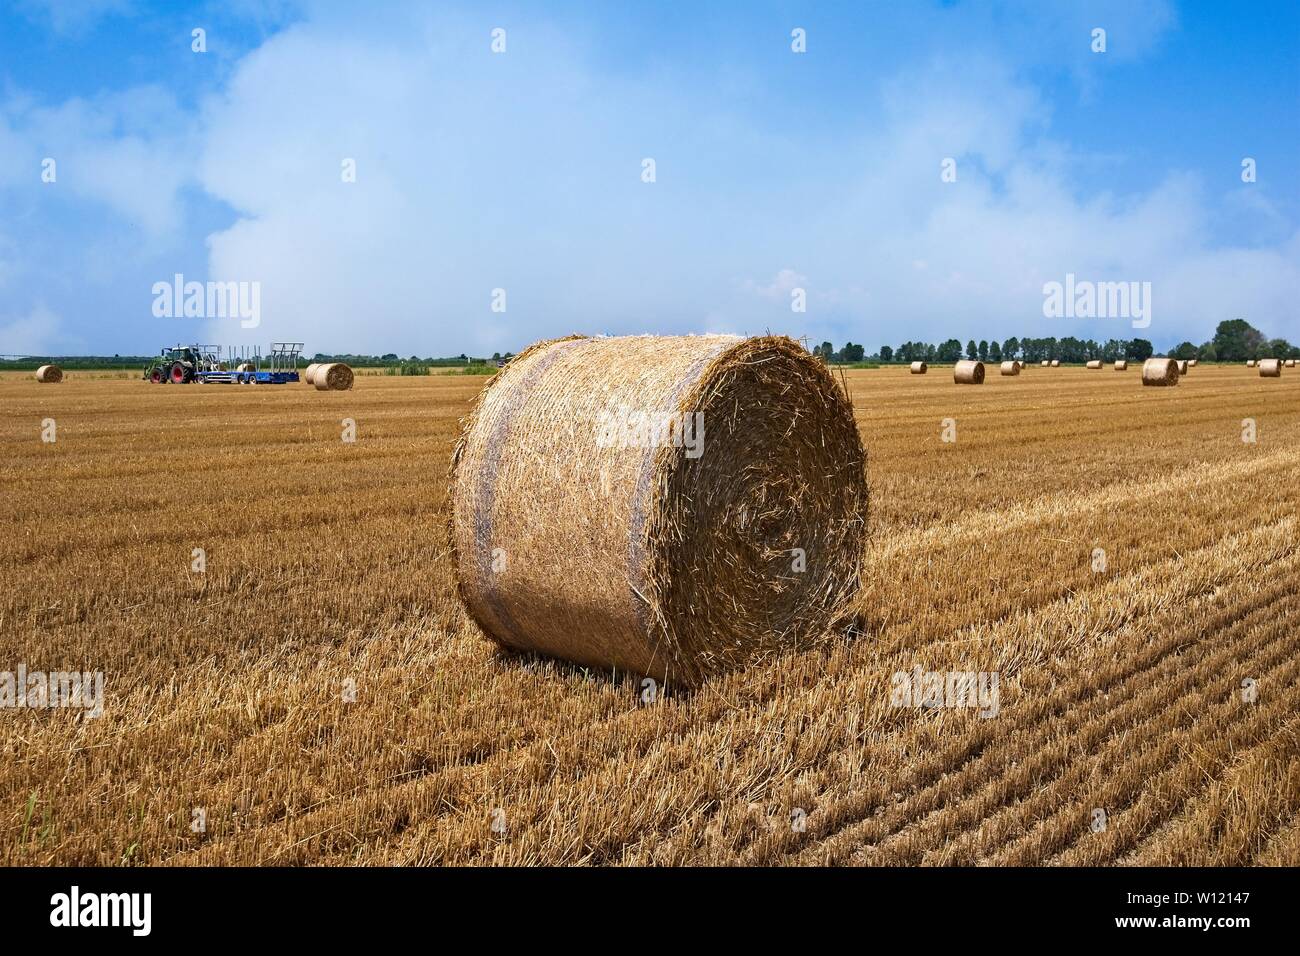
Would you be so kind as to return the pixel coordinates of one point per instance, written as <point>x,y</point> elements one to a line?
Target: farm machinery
<point>182,364</point>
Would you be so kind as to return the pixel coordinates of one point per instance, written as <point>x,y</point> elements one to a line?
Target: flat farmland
<point>1118,556</point>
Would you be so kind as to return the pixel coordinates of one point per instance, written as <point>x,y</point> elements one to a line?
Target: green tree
<point>1186,350</point>
<point>1011,348</point>
<point>886,354</point>
<point>1236,340</point>
<point>995,352</point>
<point>949,351</point>
<point>1140,350</point>
<point>972,350</point>
<point>983,350</point>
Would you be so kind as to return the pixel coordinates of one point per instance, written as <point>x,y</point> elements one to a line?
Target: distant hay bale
<point>1290,363</point>
<point>310,375</point>
<point>1250,363</point>
<point>587,524</point>
<point>1044,363</point>
<point>49,374</point>
<point>1160,371</point>
<point>1183,366</point>
<point>1270,368</point>
<point>332,377</point>
<point>1121,365</point>
<point>1009,368</point>
<point>1095,363</point>
<point>1056,363</point>
<point>245,367</point>
<point>1191,363</point>
<point>967,372</point>
<point>919,368</point>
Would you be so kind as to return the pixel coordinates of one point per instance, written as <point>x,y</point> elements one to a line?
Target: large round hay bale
<point>1270,368</point>
<point>919,368</point>
<point>333,377</point>
<point>967,372</point>
<point>1121,365</point>
<point>1183,366</point>
<point>49,374</point>
<point>670,506</point>
<point>1250,363</point>
<point>309,376</point>
<point>1160,371</point>
<point>1094,364</point>
<point>1056,363</point>
<point>1009,368</point>
<point>1191,363</point>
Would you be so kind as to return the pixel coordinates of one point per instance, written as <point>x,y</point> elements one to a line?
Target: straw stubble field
<point>328,569</point>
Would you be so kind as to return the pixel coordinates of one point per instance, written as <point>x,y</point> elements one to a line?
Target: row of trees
<point>846,356</point>
<point>1234,340</point>
<point>1068,349</point>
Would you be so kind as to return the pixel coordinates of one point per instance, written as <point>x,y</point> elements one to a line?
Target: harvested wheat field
<point>319,694</point>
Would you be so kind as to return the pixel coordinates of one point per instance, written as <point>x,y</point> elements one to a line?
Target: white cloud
<point>130,151</point>
<point>39,332</point>
<point>521,171</point>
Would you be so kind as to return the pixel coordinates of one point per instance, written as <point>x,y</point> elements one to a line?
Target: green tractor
<point>179,363</point>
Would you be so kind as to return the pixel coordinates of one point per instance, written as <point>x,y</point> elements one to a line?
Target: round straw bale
<point>1191,363</point>
<point>1270,368</point>
<point>1183,366</point>
<point>1056,363</point>
<point>1044,363</point>
<point>1290,363</point>
<point>49,374</point>
<point>1009,368</point>
<point>1121,365</point>
<point>245,367</point>
<point>309,376</point>
<point>1095,363</point>
<point>967,372</point>
<point>333,377</point>
<point>1250,363</point>
<point>919,368</point>
<point>1160,371</point>
<point>670,506</point>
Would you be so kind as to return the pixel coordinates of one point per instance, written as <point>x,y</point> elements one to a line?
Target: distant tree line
<point>1235,340</point>
<point>392,359</point>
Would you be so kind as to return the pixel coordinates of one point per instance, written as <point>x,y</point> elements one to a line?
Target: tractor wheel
<point>156,375</point>
<point>178,373</point>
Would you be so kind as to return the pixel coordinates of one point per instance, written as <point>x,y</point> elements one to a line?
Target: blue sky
<point>775,171</point>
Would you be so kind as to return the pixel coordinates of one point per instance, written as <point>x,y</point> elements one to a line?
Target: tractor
<point>182,363</point>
